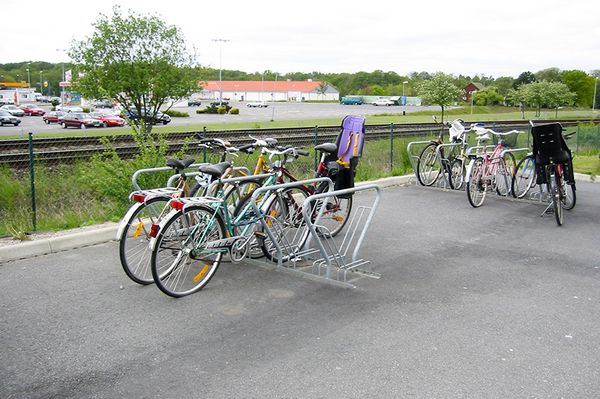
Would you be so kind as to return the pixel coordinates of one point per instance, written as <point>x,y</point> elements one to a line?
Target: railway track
<point>15,153</point>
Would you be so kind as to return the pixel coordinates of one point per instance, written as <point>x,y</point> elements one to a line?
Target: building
<point>249,90</point>
<point>16,93</point>
<point>470,89</point>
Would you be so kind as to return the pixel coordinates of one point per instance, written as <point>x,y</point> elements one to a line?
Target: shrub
<point>222,110</point>
<point>86,109</point>
<point>234,111</point>
<point>177,114</point>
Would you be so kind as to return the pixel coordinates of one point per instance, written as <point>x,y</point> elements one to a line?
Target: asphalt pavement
<point>494,302</point>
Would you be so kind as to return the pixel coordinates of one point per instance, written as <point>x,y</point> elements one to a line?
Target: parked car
<point>102,104</point>
<point>193,102</point>
<point>68,108</point>
<point>351,100</point>
<point>158,118</point>
<point>218,104</point>
<point>257,104</point>
<point>33,110</point>
<point>13,109</point>
<point>6,100</point>
<point>53,117</point>
<point>108,119</point>
<point>80,120</point>
<point>6,118</point>
<point>383,101</point>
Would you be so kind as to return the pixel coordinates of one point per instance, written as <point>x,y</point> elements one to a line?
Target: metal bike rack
<point>444,183</point>
<point>328,258</point>
<point>173,178</point>
<point>137,173</point>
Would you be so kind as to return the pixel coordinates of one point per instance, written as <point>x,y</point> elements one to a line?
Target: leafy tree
<point>439,90</point>
<point>138,60</point>
<point>503,84</point>
<point>549,94</point>
<point>523,79</point>
<point>549,74</point>
<point>581,84</point>
<point>322,88</point>
<point>487,96</point>
<point>558,94</point>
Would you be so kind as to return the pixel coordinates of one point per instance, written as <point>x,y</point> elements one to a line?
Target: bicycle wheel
<point>234,193</point>
<point>556,195</point>
<point>134,250</point>
<point>181,262</point>
<point>524,177</point>
<point>428,167</point>
<point>569,199</point>
<point>457,173</point>
<point>283,212</point>
<point>476,186</point>
<point>337,211</point>
<point>504,174</point>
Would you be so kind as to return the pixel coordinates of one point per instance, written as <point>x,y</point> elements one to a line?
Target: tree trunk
<point>442,113</point>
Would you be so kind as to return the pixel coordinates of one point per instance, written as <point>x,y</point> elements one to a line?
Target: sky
<point>497,38</point>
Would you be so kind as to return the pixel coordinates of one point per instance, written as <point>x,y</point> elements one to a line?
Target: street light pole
<point>220,41</point>
<point>41,85</point>
<point>62,88</point>
<point>403,83</point>
<point>28,74</point>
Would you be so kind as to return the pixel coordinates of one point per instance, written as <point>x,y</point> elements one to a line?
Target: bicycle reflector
<point>139,197</point>
<point>154,229</point>
<point>176,204</point>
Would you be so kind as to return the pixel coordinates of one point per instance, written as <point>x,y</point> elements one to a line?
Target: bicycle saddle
<point>179,164</point>
<point>215,170</point>
<point>330,148</point>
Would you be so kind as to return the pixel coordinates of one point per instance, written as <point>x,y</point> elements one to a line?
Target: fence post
<point>391,146</point>
<point>204,148</point>
<point>316,142</point>
<point>577,140</point>
<point>32,177</point>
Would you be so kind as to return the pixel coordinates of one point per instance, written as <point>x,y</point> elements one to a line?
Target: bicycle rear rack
<point>322,257</point>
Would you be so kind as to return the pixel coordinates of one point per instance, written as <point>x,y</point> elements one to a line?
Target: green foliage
<point>487,96</point>
<point>549,75</point>
<point>523,79</point>
<point>234,111</point>
<point>582,85</point>
<point>544,94</point>
<point>439,90</point>
<point>177,114</point>
<point>222,110</point>
<point>138,60</point>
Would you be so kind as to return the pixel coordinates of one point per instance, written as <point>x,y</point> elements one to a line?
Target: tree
<point>523,79</point>
<point>322,88</point>
<point>549,74</point>
<point>548,94</point>
<point>439,90</point>
<point>487,96</point>
<point>136,59</point>
<point>582,85</point>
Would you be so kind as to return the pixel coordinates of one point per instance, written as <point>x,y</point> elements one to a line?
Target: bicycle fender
<point>161,225</point>
<point>127,216</point>
<point>469,169</point>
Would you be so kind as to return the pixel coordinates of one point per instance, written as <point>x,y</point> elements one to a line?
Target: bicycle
<point>525,178</point>
<point>150,206</point>
<point>432,161</point>
<point>554,164</point>
<point>493,169</point>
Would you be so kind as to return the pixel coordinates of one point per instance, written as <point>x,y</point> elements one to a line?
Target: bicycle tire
<point>456,172</point>
<point>524,178</point>
<point>570,198</point>
<point>428,167</point>
<point>134,252</point>
<point>554,188</point>
<point>179,266</point>
<point>337,211</point>
<point>504,174</point>
<point>476,186</point>
<point>283,211</point>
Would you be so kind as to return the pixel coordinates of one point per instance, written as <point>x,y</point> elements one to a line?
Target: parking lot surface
<point>494,302</point>
<point>275,111</point>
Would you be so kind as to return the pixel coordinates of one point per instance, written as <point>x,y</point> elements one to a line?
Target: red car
<point>108,119</point>
<point>32,109</point>
<point>53,117</point>
<point>80,120</point>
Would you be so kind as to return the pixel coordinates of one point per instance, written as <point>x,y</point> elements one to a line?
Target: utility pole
<point>220,41</point>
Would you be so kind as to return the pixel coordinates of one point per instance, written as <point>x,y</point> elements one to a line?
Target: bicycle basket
<point>510,140</point>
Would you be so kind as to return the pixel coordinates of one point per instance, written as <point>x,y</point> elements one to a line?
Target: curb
<point>68,241</point>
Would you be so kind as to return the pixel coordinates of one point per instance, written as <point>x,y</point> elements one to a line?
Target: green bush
<point>86,109</point>
<point>202,111</point>
<point>234,111</point>
<point>177,114</point>
<point>221,110</point>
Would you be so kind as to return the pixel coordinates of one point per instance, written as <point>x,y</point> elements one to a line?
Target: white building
<point>249,90</point>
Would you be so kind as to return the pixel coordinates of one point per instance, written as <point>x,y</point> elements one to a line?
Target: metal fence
<point>63,182</point>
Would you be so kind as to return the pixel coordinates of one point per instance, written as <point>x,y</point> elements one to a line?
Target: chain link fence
<point>58,183</point>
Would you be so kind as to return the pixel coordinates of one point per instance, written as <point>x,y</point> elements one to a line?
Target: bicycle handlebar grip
<point>302,152</point>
